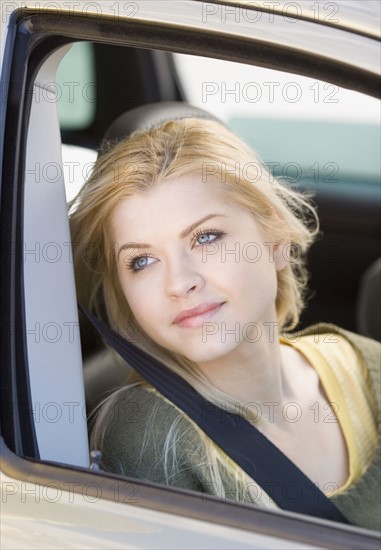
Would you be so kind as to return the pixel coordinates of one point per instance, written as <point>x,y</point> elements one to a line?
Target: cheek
<point>142,300</point>
<point>256,280</point>
<point>130,291</point>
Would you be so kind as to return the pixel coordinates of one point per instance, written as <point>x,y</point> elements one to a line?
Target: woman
<point>188,246</point>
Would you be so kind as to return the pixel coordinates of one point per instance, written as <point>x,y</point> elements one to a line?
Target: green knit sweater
<point>141,427</point>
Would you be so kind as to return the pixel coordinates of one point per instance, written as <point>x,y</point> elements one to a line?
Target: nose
<point>182,279</point>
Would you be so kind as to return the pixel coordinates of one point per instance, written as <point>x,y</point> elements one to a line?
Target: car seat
<point>368,314</point>
<point>52,328</point>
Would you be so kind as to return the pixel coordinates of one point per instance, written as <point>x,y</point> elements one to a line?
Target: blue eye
<point>139,263</point>
<point>206,236</point>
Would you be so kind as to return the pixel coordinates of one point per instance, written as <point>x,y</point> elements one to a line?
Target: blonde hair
<point>147,159</point>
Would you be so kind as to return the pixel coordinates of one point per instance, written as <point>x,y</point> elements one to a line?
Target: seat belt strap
<point>276,474</point>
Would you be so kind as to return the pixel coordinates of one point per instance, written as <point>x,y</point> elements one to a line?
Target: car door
<point>47,481</point>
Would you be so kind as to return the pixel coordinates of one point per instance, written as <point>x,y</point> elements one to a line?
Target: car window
<point>302,127</point>
<point>76,87</point>
<point>313,134</point>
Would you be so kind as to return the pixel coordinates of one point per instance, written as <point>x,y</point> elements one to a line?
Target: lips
<point>197,315</point>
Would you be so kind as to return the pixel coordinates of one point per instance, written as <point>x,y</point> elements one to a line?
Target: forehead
<point>179,199</point>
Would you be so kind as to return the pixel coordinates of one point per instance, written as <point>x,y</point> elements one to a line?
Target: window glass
<point>301,127</point>
<point>76,87</point>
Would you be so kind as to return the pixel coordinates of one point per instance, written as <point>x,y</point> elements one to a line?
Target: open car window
<point>311,130</point>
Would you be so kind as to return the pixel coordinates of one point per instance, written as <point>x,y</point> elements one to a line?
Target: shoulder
<point>134,410</point>
<point>328,331</point>
<point>330,336</point>
<point>356,356</point>
<point>146,437</point>
<point>138,404</point>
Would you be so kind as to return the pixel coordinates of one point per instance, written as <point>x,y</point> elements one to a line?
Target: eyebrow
<point>182,235</point>
<point>192,227</point>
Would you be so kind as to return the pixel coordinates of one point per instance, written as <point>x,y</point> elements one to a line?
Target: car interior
<point>67,359</point>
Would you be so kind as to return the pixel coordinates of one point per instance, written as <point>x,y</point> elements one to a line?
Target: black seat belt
<point>278,476</point>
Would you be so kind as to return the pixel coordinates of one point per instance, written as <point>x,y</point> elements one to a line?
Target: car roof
<point>347,31</point>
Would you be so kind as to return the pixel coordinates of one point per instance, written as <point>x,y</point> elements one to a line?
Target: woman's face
<point>196,270</point>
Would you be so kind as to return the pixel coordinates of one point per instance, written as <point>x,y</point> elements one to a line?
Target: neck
<point>252,372</point>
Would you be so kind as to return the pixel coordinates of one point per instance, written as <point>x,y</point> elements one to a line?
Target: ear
<point>282,254</point>
<point>281,250</point>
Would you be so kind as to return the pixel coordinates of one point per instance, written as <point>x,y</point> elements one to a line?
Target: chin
<point>207,351</point>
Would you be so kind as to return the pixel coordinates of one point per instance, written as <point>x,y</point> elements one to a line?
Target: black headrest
<point>151,115</point>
